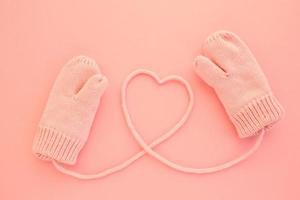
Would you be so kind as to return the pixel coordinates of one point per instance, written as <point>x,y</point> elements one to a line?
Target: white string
<point>149,148</point>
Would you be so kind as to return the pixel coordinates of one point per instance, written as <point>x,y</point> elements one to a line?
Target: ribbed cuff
<point>260,113</point>
<point>50,144</point>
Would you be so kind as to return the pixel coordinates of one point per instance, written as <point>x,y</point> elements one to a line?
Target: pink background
<point>38,37</point>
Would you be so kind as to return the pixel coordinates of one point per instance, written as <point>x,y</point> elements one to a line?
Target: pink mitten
<point>70,110</point>
<point>230,68</point>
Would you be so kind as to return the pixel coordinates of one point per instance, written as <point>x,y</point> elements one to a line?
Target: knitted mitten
<point>229,67</point>
<point>70,110</point>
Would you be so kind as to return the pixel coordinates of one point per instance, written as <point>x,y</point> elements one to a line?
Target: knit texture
<point>52,144</point>
<point>261,112</point>
<point>229,67</point>
<point>72,104</point>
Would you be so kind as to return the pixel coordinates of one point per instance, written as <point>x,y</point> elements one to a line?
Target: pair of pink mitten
<point>227,65</point>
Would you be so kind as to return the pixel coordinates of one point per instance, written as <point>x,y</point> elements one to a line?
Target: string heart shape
<point>159,81</point>
<point>148,148</point>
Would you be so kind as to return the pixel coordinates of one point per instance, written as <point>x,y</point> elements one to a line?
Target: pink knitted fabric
<point>229,67</point>
<point>70,110</point>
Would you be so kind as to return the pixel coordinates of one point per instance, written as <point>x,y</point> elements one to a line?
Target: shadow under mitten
<point>70,111</point>
<point>229,67</point>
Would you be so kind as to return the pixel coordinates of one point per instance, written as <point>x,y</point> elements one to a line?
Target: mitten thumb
<point>208,71</point>
<point>93,89</point>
